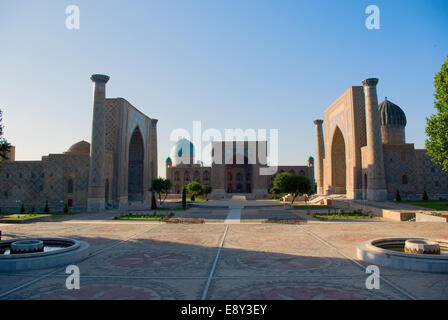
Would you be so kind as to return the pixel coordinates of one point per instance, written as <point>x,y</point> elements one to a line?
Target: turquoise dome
<point>182,152</point>
<point>391,114</point>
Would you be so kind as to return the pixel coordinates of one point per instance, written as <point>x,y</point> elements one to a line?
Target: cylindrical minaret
<point>376,178</point>
<point>320,155</point>
<point>96,195</point>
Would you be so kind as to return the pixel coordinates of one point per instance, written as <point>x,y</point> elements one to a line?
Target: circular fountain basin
<point>391,252</point>
<point>55,252</point>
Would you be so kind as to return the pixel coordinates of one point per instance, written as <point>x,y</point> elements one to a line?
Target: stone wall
<point>35,182</point>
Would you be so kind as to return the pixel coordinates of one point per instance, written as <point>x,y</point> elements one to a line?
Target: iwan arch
<point>362,152</point>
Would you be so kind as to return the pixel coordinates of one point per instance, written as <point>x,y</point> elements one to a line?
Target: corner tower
<point>96,191</point>
<point>376,177</point>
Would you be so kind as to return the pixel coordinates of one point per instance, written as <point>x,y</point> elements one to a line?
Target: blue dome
<point>183,152</point>
<point>391,114</point>
<point>311,159</point>
<point>168,160</point>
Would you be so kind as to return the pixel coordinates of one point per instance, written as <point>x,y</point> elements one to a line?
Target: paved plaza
<point>232,256</point>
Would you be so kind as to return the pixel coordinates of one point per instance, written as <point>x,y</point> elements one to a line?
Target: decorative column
<point>96,195</point>
<point>320,155</point>
<point>376,178</point>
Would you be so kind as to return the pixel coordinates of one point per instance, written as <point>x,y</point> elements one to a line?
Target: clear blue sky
<point>231,64</point>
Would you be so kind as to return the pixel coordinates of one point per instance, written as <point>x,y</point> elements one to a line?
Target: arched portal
<point>135,170</point>
<point>338,162</point>
<point>239,176</point>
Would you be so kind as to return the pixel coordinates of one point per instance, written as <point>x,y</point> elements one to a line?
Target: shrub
<point>425,196</point>
<point>66,208</point>
<point>47,208</point>
<point>22,209</point>
<point>398,197</point>
<point>32,210</point>
<point>184,198</point>
<point>195,189</point>
<point>206,190</point>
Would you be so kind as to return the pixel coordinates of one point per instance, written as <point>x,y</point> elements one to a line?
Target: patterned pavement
<point>141,260</point>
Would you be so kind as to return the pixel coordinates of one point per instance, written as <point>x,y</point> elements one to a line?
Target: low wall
<point>421,217</point>
<point>387,214</point>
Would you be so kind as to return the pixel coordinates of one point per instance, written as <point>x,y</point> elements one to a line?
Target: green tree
<point>437,124</point>
<point>398,196</point>
<point>194,188</point>
<point>206,190</point>
<point>47,208</point>
<point>22,209</point>
<point>5,147</point>
<point>425,196</point>
<point>293,184</point>
<point>184,198</point>
<point>278,182</point>
<point>162,187</point>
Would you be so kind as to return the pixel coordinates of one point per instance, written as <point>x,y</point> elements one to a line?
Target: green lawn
<point>430,204</point>
<point>28,216</point>
<point>168,209</point>
<point>196,200</point>
<point>340,216</point>
<point>310,207</point>
<point>149,217</point>
<point>24,216</point>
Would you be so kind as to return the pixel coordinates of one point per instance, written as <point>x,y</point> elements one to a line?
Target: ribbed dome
<point>391,114</point>
<point>168,160</point>
<point>182,152</point>
<point>81,147</point>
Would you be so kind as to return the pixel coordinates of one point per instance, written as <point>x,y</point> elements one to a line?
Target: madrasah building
<point>236,168</point>
<point>362,151</point>
<point>115,170</point>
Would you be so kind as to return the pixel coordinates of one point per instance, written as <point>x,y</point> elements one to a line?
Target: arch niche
<point>135,168</point>
<point>338,163</point>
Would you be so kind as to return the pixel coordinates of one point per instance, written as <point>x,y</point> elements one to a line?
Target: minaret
<point>320,155</point>
<point>96,195</point>
<point>376,178</point>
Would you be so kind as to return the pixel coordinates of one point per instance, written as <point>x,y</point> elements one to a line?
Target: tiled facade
<point>349,164</point>
<point>230,175</point>
<point>64,178</point>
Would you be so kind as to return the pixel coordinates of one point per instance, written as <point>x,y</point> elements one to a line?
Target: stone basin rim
<point>73,245</point>
<point>370,246</point>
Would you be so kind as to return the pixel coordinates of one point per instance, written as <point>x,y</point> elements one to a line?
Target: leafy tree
<point>278,182</point>
<point>162,187</point>
<point>184,198</point>
<point>293,184</point>
<point>425,196</point>
<point>153,201</point>
<point>206,190</point>
<point>194,188</point>
<point>398,197</point>
<point>47,208</point>
<point>437,124</point>
<point>5,147</point>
